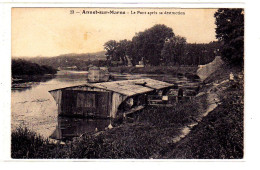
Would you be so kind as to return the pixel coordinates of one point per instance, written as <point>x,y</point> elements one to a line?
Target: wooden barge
<point>108,99</point>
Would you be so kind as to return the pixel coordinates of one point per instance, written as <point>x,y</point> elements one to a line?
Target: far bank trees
<point>22,67</point>
<point>149,44</point>
<point>173,50</point>
<point>146,45</point>
<point>158,45</point>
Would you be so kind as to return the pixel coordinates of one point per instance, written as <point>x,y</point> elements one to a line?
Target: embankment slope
<point>220,134</point>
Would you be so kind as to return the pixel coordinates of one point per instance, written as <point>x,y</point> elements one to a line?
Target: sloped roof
<point>132,87</point>
<point>128,87</point>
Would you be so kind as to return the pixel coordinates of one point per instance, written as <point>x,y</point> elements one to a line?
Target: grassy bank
<point>143,138</point>
<point>174,70</point>
<point>27,144</point>
<point>219,135</point>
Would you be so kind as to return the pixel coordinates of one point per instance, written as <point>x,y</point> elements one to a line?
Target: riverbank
<point>220,135</point>
<point>193,129</point>
<point>25,73</point>
<point>173,70</point>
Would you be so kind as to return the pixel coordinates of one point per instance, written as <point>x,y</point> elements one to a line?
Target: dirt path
<point>212,102</point>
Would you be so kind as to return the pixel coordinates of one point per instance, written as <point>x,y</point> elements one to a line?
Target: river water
<point>35,108</point>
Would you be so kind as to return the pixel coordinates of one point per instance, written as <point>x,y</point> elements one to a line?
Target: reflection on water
<point>35,108</point>
<point>27,82</point>
<point>68,128</point>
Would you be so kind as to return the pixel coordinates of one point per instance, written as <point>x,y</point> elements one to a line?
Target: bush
<point>25,143</point>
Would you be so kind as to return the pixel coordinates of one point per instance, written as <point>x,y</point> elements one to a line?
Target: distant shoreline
<point>26,69</point>
<point>171,70</point>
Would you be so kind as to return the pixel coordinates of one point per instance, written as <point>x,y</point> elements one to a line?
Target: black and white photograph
<point>127,83</point>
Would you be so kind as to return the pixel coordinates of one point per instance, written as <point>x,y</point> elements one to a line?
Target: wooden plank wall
<point>57,97</point>
<point>113,99</point>
<point>68,102</point>
<point>117,99</point>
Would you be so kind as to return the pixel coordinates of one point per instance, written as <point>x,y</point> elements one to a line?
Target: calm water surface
<point>35,108</point>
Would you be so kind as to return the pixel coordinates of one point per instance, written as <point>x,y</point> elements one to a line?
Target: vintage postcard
<point>127,83</point>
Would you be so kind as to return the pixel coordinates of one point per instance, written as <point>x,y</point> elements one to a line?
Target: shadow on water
<point>69,128</point>
<point>23,83</point>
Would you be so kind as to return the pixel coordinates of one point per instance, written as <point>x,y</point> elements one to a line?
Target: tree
<point>149,44</point>
<point>117,51</point>
<point>230,31</point>
<point>122,50</point>
<point>173,50</point>
<point>110,48</point>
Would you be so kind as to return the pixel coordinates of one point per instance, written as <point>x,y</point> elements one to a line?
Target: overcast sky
<point>54,31</point>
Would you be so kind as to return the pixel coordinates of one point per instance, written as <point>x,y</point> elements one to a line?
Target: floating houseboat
<point>108,99</point>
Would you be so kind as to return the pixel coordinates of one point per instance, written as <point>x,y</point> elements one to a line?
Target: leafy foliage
<point>199,54</point>
<point>123,50</point>
<point>173,49</point>
<point>146,45</point>
<point>117,51</point>
<point>149,44</point>
<point>158,45</point>
<point>27,144</point>
<point>111,47</point>
<point>23,67</point>
<point>230,31</point>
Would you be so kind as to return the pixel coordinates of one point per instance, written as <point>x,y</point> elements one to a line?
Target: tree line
<point>159,45</point>
<point>22,67</point>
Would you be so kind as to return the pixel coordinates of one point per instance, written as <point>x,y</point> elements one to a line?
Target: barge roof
<point>127,87</point>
